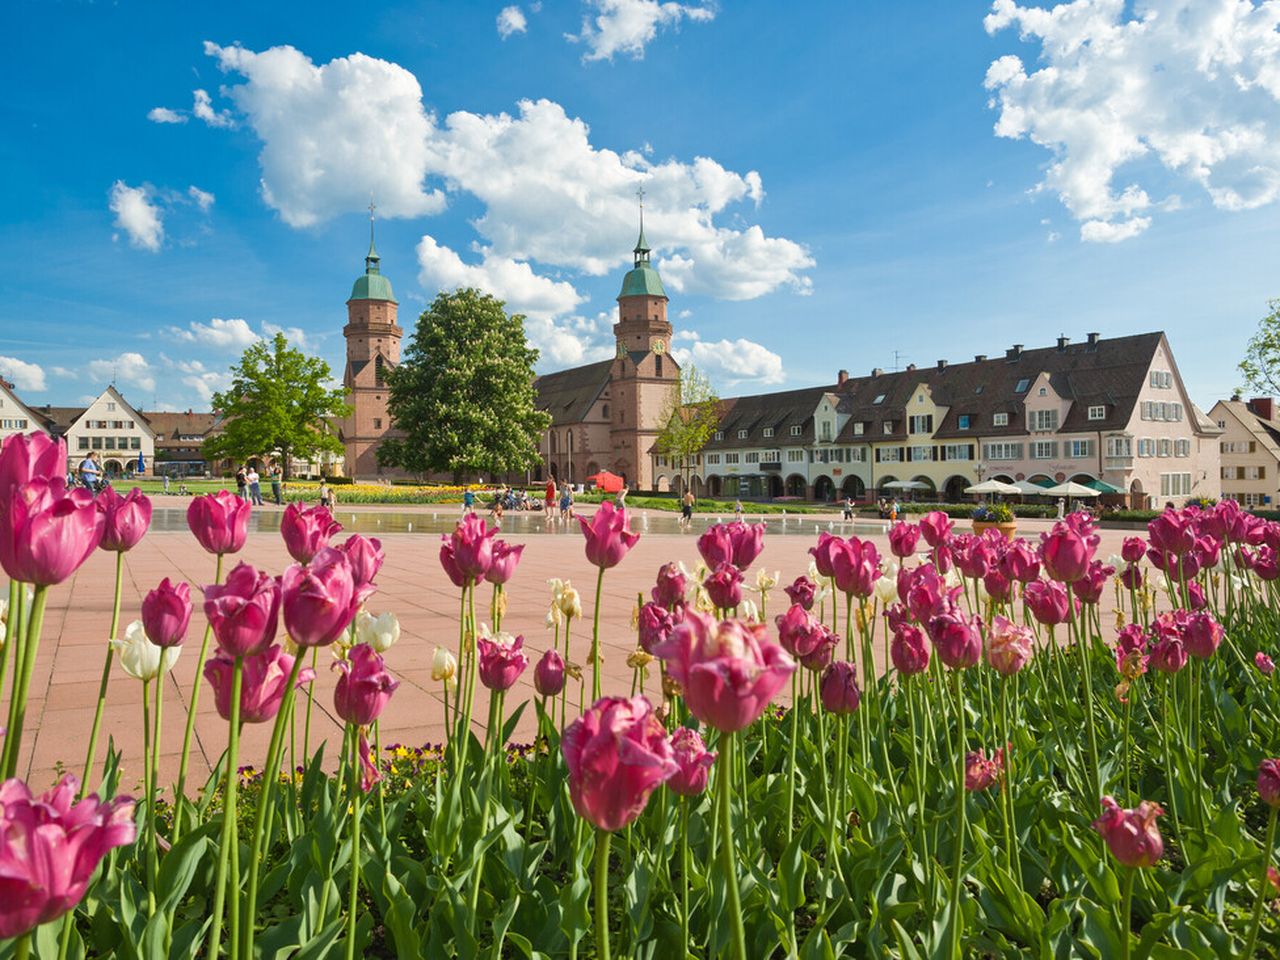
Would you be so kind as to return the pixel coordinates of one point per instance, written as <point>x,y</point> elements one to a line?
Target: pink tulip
<point>972,556</point>
<point>747,540</point>
<point>655,624</point>
<point>263,681</point>
<point>166,613</point>
<point>50,848</point>
<point>47,531</point>
<point>802,591</point>
<point>908,650</point>
<point>365,687</point>
<point>728,671</point>
<point>319,600</point>
<point>1064,553</point>
<point>505,559</point>
<point>694,760</point>
<point>548,674</point>
<point>617,754</point>
<point>366,557</point>
<point>1088,589</point>
<point>243,611</point>
<point>998,586</point>
<point>822,554</point>
<point>724,586</point>
<point>1131,577</point>
<point>981,773</point>
<point>839,688</point>
<point>1269,782</point>
<point>715,545</point>
<point>502,660</point>
<point>608,537</point>
<point>857,567</point>
<point>27,456</point>
<point>370,775</point>
<point>1173,532</point>
<point>1133,549</point>
<point>1169,655</point>
<point>125,519</point>
<point>935,527</point>
<point>219,521</point>
<point>1195,596</point>
<point>957,639</point>
<point>903,539</point>
<point>1009,647</point>
<point>1131,835</point>
<point>306,531</point>
<point>821,651</point>
<point>1047,600</point>
<point>802,636</point>
<point>1020,562</point>
<point>1202,635</point>
<point>1208,552</point>
<point>467,553</point>
<point>1266,564</point>
<point>1266,666</point>
<point>671,587</point>
<point>926,592</point>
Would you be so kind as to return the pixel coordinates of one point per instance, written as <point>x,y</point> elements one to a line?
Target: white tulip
<point>142,659</point>
<point>766,581</point>
<point>379,632</point>
<point>887,585</point>
<point>444,667</point>
<point>747,610</point>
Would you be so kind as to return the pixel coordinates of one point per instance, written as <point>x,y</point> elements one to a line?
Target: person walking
<point>468,502</point>
<point>324,492</point>
<point>242,483</point>
<point>166,483</point>
<point>686,509</point>
<point>255,486</point>
<point>622,497</point>
<point>277,491</point>
<point>566,502</point>
<point>89,472</point>
<point>1062,506</point>
<point>549,497</point>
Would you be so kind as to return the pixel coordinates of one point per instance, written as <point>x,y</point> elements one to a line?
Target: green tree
<point>1261,363</point>
<point>462,398</point>
<point>279,403</point>
<point>691,417</point>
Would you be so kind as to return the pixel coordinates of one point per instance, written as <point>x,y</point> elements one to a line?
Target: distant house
<point>111,426</point>
<point>1250,449</point>
<point>179,443</point>
<point>16,416</point>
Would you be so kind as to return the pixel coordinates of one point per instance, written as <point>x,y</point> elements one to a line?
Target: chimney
<point>1264,407</point>
<point>1093,341</point>
<point>841,377</point>
<point>979,357</point>
<point>911,367</point>
<point>1062,344</point>
<point>877,371</point>
<point>1014,353</point>
<point>942,364</point>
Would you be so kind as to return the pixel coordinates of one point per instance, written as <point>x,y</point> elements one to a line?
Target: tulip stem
<point>595,639</point>
<point>149,787</point>
<point>180,791</point>
<point>261,827</point>
<point>1126,907</point>
<point>22,683</point>
<point>684,876</point>
<point>603,840</point>
<point>1267,847</point>
<point>106,678</point>
<point>228,816</point>
<point>957,876</point>
<point>356,800</point>
<point>733,901</point>
<point>22,949</point>
<point>791,759</point>
<point>16,596</point>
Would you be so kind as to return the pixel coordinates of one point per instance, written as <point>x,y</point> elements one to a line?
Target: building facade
<point>110,425</point>
<point>16,416</point>
<point>1250,450</point>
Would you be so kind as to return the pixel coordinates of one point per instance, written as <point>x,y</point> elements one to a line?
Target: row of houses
<point>1112,414</point>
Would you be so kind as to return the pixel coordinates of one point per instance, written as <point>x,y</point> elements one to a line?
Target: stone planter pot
<point>1007,530</point>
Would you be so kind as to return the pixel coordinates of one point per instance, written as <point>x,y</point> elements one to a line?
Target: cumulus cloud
<point>200,379</point>
<point>730,362</point>
<point>511,20</point>
<point>165,115</point>
<point>137,216</point>
<point>202,108</point>
<point>627,26</point>
<point>570,341</point>
<point>127,368</point>
<point>333,134</point>
<point>23,375</point>
<point>509,280</point>
<point>1188,85</point>
<point>230,334</point>
<point>296,336</point>
<point>202,198</point>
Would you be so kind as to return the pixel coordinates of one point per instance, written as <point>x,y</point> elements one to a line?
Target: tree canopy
<point>462,398</point>
<point>278,402</point>
<point>691,417</point>
<point>1261,363</point>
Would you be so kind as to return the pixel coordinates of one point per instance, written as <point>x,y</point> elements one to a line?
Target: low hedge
<point>964,511</point>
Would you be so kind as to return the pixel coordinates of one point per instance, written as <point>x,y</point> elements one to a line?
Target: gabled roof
<point>58,420</point>
<point>569,394</point>
<point>169,425</point>
<point>780,411</point>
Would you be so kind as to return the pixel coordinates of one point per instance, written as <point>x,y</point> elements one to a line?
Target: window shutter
<point>934,451</point>
<point>877,454</point>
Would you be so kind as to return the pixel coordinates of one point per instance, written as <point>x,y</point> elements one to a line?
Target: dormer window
<point>768,431</point>
<point>1044,392</point>
<point>1098,413</point>
<point>719,434</point>
<point>858,428</point>
<point>797,429</point>
<point>742,434</point>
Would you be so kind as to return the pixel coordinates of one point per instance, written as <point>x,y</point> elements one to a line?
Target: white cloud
<point>731,362</point>
<point>626,26</point>
<point>1189,85</point>
<point>23,375</point>
<point>203,198</point>
<point>165,115</point>
<point>511,20</point>
<point>127,368</point>
<point>232,334</point>
<point>335,133</point>
<point>332,133</point>
<point>570,341</point>
<point>296,336</point>
<point>137,216</point>
<point>509,280</point>
<point>199,378</point>
<point>202,108</point>
<point>63,372</point>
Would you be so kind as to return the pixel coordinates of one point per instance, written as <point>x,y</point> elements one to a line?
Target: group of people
<point>249,485</point>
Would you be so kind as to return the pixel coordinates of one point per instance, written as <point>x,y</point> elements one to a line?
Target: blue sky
<point>826,183</point>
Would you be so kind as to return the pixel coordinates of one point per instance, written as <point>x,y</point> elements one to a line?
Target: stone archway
<point>824,489</point>
<point>112,468</point>
<point>662,484</point>
<point>776,486</point>
<point>954,488</point>
<point>796,486</point>
<point>713,486</point>
<point>853,487</point>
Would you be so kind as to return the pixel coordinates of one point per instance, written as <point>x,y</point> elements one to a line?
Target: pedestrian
<point>166,483</point>
<point>737,509</point>
<point>848,508</point>
<point>89,472</point>
<point>686,508</point>
<point>242,483</point>
<point>566,502</point>
<point>549,497</point>
<point>255,486</point>
<point>324,492</point>
<point>622,497</point>
<point>1062,506</point>
<point>277,489</point>
<point>893,509</point>
<point>468,501</point>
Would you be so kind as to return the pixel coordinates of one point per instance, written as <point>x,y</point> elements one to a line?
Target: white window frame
<point>1000,420</point>
<point>797,429</point>
<point>1044,450</point>
<point>1098,412</point>
<point>1044,421</point>
<point>768,431</point>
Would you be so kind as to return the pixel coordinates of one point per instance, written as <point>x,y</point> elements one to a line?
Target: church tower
<point>373,347</point>
<point>644,373</point>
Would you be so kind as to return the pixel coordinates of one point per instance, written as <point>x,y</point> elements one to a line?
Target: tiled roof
<point>568,394</point>
<point>779,411</point>
<point>59,419</point>
<point>171,425</point>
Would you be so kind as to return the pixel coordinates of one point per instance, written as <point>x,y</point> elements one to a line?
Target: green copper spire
<point>642,248</point>
<point>642,280</point>
<point>373,285</point>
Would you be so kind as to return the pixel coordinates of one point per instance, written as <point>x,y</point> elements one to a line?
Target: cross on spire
<point>371,260</point>
<point>642,248</point>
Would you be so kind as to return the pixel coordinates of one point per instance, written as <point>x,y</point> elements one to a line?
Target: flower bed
<point>1023,780</point>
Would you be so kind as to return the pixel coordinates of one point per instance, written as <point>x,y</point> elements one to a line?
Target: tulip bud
<point>166,613</point>
<point>444,667</point>
<point>142,659</point>
<point>380,632</point>
<point>1269,782</point>
<point>694,760</point>
<point>548,674</point>
<point>839,688</point>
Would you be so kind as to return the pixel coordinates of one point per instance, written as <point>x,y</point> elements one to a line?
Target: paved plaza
<point>412,584</point>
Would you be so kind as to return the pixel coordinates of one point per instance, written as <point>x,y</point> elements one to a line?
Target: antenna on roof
<point>898,356</point>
